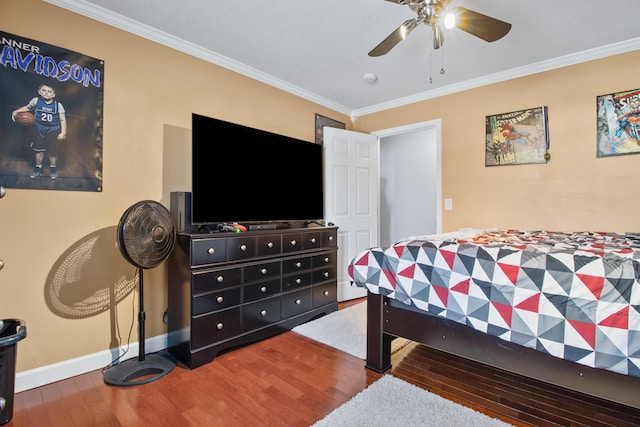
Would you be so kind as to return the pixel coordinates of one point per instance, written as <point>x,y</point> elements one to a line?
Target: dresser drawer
<point>296,281</point>
<point>262,289</point>
<point>312,240</point>
<point>293,265</point>
<point>239,248</point>
<point>325,294</point>
<point>261,271</point>
<point>208,251</point>
<point>270,244</point>
<point>261,313</point>
<point>217,300</point>
<point>296,302</point>
<point>208,280</point>
<point>291,242</point>
<point>330,239</point>
<point>324,260</point>
<point>324,273</point>
<point>215,327</point>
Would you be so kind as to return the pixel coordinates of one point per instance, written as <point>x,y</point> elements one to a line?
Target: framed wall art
<point>321,122</point>
<point>50,116</point>
<point>618,123</point>
<point>517,138</point>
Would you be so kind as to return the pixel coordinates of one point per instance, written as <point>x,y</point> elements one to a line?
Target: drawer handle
<point>325,293</point>
<point>263,313</point>
<point>298,302</point>
<point>220,300</point>
<point>220,279</point>
<point>270,245</point>
<point>243,248</point>
<point>298,281</point>
<point>298,264</point>
<point>211,251</point>
<point>263,271</point>
<point>313,240</point>
<point>326,274</point>
<point>331,238</point>
<point>326,260</point>
<point>293,242</point>
<point>219,326</point>
<point>263,289</point>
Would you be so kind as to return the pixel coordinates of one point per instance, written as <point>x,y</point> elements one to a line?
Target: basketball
<point>25,118</point>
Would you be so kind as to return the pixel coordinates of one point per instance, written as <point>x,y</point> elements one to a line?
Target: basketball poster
<point>51,111</point>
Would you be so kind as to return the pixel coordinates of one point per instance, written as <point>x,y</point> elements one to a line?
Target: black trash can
<point>11,331</point>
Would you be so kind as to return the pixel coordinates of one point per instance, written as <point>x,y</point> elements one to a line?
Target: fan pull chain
<point>442,68</point>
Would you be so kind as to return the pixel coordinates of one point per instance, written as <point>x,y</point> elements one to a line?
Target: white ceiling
<point>317,49</point>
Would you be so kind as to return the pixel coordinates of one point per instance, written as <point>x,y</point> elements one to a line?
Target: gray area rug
<point>391,401</point>
<point>344,329</point>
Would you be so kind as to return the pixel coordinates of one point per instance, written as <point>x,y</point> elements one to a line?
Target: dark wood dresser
<point>230,289</point>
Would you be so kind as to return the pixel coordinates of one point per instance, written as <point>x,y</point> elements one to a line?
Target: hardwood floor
<point>289,380</point>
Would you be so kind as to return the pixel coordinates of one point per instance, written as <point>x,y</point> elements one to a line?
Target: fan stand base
<point>135,372</point>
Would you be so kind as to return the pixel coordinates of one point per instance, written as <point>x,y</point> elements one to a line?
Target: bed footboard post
<point>378,343</point>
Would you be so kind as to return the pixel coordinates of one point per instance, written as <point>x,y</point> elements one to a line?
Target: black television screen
<point>246,175</point>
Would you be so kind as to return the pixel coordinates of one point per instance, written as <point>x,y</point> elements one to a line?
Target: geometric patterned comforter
<point>575,296</point>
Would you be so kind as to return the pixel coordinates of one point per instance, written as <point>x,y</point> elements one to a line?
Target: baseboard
<point>33,378</point>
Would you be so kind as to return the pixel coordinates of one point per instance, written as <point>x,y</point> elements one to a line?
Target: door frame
<point>420,126</point>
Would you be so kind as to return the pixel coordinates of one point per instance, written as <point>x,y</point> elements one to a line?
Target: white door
<point>351,197</point>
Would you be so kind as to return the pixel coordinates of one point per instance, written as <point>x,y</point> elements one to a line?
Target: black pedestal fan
<point>146,236</point>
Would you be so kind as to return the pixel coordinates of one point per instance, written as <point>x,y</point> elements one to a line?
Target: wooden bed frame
<point>388,319</point>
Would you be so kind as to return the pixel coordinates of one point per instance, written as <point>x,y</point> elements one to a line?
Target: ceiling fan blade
<point>485,27</point>
<point>395,37</point>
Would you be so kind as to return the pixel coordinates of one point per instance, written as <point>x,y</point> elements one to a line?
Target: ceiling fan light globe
<point>450,20</point>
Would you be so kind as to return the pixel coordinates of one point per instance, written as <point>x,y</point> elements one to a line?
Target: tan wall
<point>53,238</point>
<point>49,238</point>
<point>574,191</point>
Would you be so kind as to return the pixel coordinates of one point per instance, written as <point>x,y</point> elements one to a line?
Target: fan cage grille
<point>146,234</point>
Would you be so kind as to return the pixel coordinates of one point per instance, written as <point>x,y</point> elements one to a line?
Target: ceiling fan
<point>436,13</point>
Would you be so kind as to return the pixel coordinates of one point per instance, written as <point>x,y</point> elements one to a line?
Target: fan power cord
<point>121,349</point>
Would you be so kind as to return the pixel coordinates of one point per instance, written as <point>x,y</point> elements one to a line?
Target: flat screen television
<point>251,176</point>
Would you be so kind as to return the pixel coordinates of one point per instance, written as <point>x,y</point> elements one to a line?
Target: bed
<point>559,307</point>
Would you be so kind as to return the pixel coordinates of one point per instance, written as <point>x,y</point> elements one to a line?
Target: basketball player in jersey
<point>50,128</point>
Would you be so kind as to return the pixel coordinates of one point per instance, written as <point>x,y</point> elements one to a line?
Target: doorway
<point>410,181</point>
